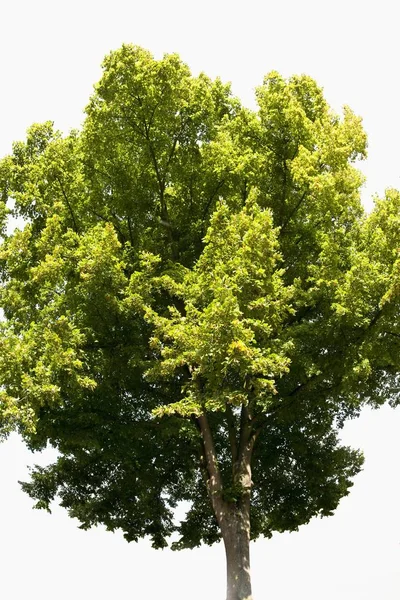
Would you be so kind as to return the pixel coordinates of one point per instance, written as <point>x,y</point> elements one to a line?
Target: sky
<point>51,54</point>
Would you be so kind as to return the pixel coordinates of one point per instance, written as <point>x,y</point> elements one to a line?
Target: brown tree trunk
<point>233,516</point>
<point>236,536</point>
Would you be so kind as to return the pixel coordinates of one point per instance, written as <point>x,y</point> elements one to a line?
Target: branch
<point>396,335</point>
<point>375,318</point>
<point>68,204</point>
<point>172,152</point>
<point>131,123</point>
<point>211,198</point>
<point>245,191</point>
<point>161,184</point>
<point>230,419</point>
<point>294,211</point>
<point>288,400</point>
<point>245,431</point>
<point>114,222</point>
<point>301,314</point>
<point>130,229</point>
<point>215,480</point>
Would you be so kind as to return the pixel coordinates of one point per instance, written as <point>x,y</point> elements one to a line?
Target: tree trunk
<point>236,536</point>
<point>233,517</point>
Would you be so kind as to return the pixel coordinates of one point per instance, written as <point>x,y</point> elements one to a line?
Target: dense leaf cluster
<point>183,255</point>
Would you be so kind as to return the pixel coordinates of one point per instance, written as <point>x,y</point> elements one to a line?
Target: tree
<point>194,305</point>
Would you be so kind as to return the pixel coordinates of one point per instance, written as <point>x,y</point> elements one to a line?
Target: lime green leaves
<point>234,305</point>
<point>371,285</point>
<point>182,256</point>
<point>147,127</point>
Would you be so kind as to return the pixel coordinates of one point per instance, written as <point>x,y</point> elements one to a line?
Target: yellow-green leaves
<point>234,304</point>
<point>179,256</point>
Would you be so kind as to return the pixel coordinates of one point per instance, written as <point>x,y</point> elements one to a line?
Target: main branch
<point>215,486</point>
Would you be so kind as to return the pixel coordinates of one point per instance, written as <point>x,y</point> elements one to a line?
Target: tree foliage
<point>183,257</point>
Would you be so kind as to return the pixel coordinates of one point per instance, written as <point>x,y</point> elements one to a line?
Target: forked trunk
<point>232,517</point>
<point>236,536</point>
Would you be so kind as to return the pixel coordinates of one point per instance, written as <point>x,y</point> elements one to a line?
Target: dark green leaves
<point>179,256</point>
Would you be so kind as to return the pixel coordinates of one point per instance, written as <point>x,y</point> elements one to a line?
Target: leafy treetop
<point>183,258</point>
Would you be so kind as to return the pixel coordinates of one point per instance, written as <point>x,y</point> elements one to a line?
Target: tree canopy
<point>195,302</point>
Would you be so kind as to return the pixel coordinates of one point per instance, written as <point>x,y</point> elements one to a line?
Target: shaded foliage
<point>181,256</point>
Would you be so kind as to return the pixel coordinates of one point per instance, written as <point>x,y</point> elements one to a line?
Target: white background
<point>50,58</point>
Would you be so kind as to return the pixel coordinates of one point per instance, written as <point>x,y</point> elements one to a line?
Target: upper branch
<point>215,479</point>
<point>230,419</point>
<point>293,211</point>
<point>68,205</point>
<point>248,436</point>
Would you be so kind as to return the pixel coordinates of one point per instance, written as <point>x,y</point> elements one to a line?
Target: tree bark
<point>235,526</point>
<point>233,517</point>
<point>236,536</point>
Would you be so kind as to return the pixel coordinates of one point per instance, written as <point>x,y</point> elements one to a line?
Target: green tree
<point>194,305</point>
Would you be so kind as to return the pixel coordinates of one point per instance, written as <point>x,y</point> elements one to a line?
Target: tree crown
<point>181,256</point>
